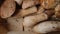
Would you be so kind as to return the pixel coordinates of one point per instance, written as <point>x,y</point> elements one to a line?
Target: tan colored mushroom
<point>29,3</point>
<point>15,23</point>
<point>7,8</point>
<point>47,26</point>
<point>30,21</point>
<point>25,12</point>
<point>48,4</point>
<point>57,11</point>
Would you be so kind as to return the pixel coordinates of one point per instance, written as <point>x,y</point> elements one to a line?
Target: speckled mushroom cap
<point>48,4</point>
<point>7,8</point>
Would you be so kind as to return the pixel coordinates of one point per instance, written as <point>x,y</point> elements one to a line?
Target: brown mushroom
<point>48,4</point>
<point>57,11</point>
<point>7,8</point>
<point>29,3</point>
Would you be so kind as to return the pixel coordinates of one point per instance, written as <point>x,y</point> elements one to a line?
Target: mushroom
<point>7,8</point>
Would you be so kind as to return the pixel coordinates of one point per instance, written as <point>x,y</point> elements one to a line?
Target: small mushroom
<point>29,3</point>
<point>57,11</point>
<point>49,4</point>
<point>7,8</point>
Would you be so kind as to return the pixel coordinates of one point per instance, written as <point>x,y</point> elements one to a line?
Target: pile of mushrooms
<point>39,16</point>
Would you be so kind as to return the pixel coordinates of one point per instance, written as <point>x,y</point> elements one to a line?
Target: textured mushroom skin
<point>8,8</point>
<point>32,20</point>
<point>46,27</point>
